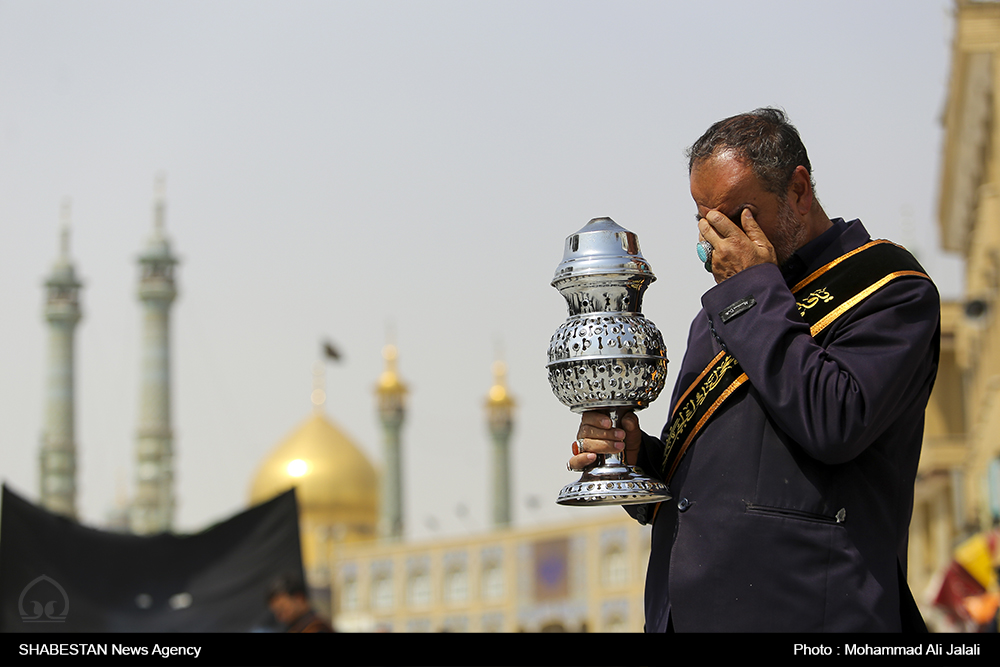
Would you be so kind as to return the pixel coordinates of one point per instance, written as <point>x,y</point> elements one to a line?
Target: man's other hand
<point>596,436</point>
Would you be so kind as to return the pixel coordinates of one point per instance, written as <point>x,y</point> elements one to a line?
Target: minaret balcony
<point>62,311</point>
<point>157,290</point>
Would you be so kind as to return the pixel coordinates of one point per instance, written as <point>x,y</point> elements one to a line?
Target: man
<point>290,607</point>
<point>797,417</point>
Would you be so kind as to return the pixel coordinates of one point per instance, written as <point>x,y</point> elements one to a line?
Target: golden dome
<point>334,481</point>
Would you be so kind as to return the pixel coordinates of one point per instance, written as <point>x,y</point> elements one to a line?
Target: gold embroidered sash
<point>820,298</point>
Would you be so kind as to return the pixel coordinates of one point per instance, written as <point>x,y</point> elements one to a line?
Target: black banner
<point>58,576</point>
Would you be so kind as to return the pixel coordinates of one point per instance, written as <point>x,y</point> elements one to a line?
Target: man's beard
<point>789,234</point>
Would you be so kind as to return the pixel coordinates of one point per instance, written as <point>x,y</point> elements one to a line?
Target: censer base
<point>619,485</point>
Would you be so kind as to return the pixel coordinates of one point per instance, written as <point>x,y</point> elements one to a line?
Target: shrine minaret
<point>500,421</point>
<point>57,458</point>
<point>391,396</point>
<point>153,508</point>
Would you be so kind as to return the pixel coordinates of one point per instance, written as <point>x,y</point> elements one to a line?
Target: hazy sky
<point>335,169</point>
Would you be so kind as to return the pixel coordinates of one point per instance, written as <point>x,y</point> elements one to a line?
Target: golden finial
<point>388,381</point>
<point>498,392</point>
<point>318,395</point>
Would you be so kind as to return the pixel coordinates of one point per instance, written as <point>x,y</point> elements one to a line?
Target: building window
<point>349,600</point>
<point>491,577</point>
<point>614,566</point>
<point>456,585</point>
<point>418,589</point>
<point>382,592</point>
<point>493,582</point>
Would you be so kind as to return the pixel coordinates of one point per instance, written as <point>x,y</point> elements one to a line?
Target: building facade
<point>584,576</point>
<point>958,487</point>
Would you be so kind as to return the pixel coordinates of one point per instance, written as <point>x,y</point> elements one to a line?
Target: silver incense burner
<point>606,356</point>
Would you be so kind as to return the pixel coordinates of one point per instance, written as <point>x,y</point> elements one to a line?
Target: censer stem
<point>615,423</point>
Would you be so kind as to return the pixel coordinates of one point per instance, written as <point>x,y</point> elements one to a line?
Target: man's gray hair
<point>762,138</point>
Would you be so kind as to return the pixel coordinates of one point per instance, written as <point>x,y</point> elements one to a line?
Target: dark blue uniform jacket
<point>791,508</point>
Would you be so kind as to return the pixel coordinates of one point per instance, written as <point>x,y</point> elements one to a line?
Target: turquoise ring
<point>705,252</point>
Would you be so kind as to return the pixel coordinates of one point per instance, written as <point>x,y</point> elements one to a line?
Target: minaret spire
<point>153,509</point>
<point>57,457</point>
<point>160,205</point>
<point>64,217</point>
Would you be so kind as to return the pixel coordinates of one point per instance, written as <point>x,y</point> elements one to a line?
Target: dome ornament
<point>327,353</point>
<point>318,395</point>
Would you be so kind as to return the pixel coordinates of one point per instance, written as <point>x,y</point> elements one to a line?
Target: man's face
<point>728,185</point>
<point>287,608</point>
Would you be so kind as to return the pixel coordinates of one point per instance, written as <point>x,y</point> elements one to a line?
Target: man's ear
<point>800,192</point>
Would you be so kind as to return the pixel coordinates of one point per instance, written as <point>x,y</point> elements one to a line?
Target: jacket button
<point>683,504</point>
<point>641,515</point>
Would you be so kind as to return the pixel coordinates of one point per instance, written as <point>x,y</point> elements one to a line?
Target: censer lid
<point>602,247</point>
